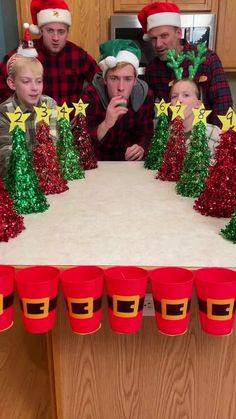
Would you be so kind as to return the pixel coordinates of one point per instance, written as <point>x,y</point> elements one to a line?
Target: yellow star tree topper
<point>200,114</point>
<point>17,118</point>
<point>162,107</point>
<point>80,107</point>
<point>177,110</point>
<point>228,120</point>
<point>42,113</point>
<point>64,111</point>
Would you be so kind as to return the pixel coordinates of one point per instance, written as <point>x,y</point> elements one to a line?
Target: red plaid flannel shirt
<point>132,128</point>
<point>64,73</point>
<point>215,90</point>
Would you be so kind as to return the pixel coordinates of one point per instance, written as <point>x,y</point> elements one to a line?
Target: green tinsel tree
<point>196,164</point>
<point>159,140</point>
<point>229,232</point>
<point>67,154</point>
<point>21,179</point>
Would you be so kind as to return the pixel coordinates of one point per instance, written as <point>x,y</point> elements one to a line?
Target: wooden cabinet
<point>225,42</point>
<point>185,5</point>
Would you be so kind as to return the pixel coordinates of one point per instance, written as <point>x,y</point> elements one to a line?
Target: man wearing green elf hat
<point>120,108</point>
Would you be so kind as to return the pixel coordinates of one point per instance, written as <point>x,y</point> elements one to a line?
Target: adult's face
<point>164,38</point>
<point>120,81</point>
<point>54,36</point>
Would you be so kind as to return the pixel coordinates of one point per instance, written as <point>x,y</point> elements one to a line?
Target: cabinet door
<point>225,39</point>
<point>185,5</point>
<point>129,5</point>
<point>194,5</point>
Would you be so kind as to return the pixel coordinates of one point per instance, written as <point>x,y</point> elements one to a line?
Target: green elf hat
<point>117,51</point>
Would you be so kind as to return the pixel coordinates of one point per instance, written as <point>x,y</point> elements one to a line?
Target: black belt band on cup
<point>214,309</point>
<point>83,306</point>
<point>172,308</point>
<point>37,306</point>
<point>7,301</point>
<point>125,304</point>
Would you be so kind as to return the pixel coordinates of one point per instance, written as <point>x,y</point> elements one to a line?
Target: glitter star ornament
<point>200,115</point>
<point>162,107</point>
<point>177,110</point>
<point>17,118</point>
<point>42,113</point>
<point>228,120</point>
<point>80,107</point>
<point>64,112</point>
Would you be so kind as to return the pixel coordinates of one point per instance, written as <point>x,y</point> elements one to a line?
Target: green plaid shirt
<point>10,105</point>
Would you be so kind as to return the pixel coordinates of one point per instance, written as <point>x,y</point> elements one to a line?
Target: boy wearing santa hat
<point>161,24</point>
<point>120,108</point>
<point>66,66</point>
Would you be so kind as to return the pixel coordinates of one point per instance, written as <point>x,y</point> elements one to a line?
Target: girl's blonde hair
<point>17,62</point>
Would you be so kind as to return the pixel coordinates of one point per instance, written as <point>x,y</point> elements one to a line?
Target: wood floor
<point>25,390</point>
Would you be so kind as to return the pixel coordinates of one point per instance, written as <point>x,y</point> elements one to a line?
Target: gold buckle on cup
<point>86,303</point>
<point>43,308</point>
<point>134,303</point>
<point>183,303</point>
<point>228,310</point>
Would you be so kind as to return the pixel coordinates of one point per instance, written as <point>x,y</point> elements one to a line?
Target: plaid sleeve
<point>219,95</point>
<point>5,142</point>
<point>144,125</point>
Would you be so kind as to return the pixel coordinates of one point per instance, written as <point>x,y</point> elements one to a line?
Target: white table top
<point>120,215</point>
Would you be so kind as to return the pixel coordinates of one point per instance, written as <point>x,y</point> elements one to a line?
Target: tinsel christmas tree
<point>219,196</point>
<point>21,180</point>
<point>159,140</point>
<point>175,152</point>
<point>46,162</point>
<point>196,164</point>
<point>229,232</point>
<point>84,144</point>
<point>11,223</point>
<point>67,153</point>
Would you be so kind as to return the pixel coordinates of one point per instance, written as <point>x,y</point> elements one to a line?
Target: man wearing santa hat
<point>161,24</point>
<point>66,66</point>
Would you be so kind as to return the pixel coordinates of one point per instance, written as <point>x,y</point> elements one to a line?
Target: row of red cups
<point>172,289</point>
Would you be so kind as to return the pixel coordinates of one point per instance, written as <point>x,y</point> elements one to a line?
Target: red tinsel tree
<point>219,196</point>
<point>175,153</point>
<point>11,224</point>
<point>84,144</point>
<point>46,162</point>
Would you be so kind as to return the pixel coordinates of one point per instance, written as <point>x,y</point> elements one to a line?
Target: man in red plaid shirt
<point>161,25</point>
<point>66,66</point>
<point>120,108</point>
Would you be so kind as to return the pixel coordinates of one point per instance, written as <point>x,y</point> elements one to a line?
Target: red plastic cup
<point>172,290</point>
<point>37,288</point>
<point>216,292</point>
<point>7,274</point>
<point>82,288</point>
<point>126,289</point>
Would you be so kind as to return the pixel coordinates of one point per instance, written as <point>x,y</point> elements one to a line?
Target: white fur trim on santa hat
<point>162,19</point>
<point>27,52</point>
<point>53,16</point>
<point>122,56</point>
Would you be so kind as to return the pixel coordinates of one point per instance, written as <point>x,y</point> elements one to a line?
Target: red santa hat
<point>48,11</point>
<point>26,49</point>
<point>159,14</point>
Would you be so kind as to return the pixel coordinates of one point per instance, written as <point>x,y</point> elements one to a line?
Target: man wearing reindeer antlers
<point>161,24</point>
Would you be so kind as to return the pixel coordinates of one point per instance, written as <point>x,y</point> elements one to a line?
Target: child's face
<point>186,93</point>
<point>28,85</point>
